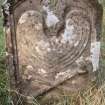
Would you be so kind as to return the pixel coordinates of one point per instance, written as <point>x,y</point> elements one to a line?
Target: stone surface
<point>56,40</point>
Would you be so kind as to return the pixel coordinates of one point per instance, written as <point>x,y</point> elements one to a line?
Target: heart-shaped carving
<point>47,48</point>
<point>53,39</point>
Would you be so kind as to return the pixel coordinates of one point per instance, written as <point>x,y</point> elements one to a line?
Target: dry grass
<point>90,96</point>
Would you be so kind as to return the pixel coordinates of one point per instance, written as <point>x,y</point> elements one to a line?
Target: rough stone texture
<point>52,41</point>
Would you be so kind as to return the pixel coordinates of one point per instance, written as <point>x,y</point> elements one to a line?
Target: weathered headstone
<point>52,42</point>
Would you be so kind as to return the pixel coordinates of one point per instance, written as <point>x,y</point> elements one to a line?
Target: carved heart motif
<point>49,42</point>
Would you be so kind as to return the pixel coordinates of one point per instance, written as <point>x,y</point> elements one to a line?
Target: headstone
<point>52,44</point>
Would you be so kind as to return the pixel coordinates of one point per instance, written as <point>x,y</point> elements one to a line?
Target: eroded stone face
<point>95,54</point>
<point>55,43</point>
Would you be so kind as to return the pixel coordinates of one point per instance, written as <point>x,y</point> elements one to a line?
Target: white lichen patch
<point>95,55</point>
<point>29,77</point>
<point>59,75</point>
<point>42,47</point>
<point>25,16</point>
<point>6,5</point>
<point>49,49</point>
<point>42,71</point>
<point>85,44</point>
<point>68,32</point>
<point>38,26</point>
<point>88,58</point>
<point>7,54</point>
<point>76,44</point>
<point>51,19</point>
<point>29,67</point>
<point>37,49</point>
<point>79,60</point>
<point>67,74</point>
<point>73,82</point>
<point>8,30</point>
<point>43,44</point>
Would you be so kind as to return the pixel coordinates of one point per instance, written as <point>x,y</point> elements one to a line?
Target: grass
<point>4,97</point>
<point>90,96</point>
<point>3,78</point>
